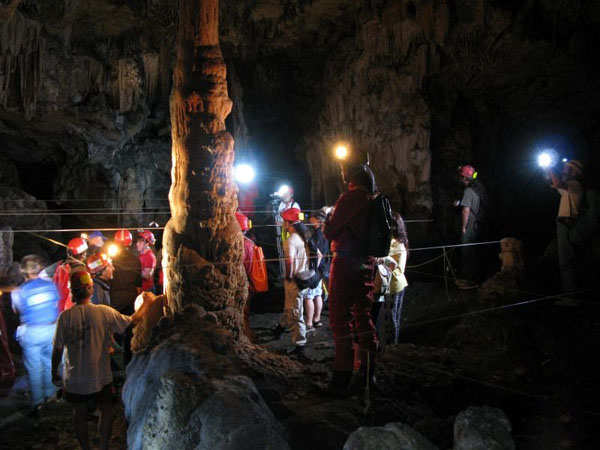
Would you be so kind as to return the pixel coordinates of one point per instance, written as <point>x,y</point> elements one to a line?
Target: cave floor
<point>538,363</point>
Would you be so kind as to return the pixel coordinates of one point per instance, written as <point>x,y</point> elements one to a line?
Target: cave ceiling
<point>422,85</point>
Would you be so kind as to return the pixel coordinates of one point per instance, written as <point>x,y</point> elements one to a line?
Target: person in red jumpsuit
<point>351,277</point>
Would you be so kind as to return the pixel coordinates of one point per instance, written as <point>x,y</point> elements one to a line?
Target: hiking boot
<point>467,285</point>
<point>278,332</point>
<point>339,385</point>
<point>34,412</point>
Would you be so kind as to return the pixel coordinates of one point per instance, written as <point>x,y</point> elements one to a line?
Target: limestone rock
<point>186,391</point>
<point>393,436</point>
<point>482,428</point>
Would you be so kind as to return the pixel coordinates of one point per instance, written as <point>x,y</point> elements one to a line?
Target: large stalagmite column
<point>202,242</point>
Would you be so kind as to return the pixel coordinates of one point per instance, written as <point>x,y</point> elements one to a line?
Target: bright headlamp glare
<point>547,159</point>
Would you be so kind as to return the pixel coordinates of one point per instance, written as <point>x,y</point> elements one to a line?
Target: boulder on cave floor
<point>392,436</point>
<point>482,428</point>
<point>187,391</point>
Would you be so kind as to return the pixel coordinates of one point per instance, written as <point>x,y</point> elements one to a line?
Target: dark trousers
<point>469,255</point>
<point>350,301</point>
<point>566,255</point>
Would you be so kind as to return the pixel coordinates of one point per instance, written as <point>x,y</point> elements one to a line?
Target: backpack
<point>380,223</point>
<point>61,280</point>
<point>258,271</point>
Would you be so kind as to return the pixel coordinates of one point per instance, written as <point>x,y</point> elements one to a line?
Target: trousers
<point>36,342</point>
<point>350,300</point>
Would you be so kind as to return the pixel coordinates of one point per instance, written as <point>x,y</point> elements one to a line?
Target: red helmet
<point>147,236</point>
<point>124,238</point>
<point>242,220</point>
<point>97,263</point>
<point>291,215</point>
<point>77,246</point>
<point>467,172</point>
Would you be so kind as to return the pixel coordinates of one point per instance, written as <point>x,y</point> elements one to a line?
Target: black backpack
<point>380,224</point>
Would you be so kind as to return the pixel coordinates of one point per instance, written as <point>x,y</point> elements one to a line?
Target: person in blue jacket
<point>36,303</point>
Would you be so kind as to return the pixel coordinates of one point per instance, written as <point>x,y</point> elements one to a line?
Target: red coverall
<point>351,281</point>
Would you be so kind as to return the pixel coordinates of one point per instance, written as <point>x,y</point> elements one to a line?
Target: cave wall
<point>423,86</point>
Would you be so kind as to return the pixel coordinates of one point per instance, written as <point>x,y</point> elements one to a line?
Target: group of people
<point>69,315</point>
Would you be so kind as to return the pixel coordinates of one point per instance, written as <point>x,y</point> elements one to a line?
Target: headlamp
<point>244,173</point>
<point>547,158</point>
<point>282,191</point>
<point>113,250</point>
<point>341,151</point>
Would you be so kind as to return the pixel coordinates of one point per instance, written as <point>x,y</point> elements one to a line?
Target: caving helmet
<point>77,246</point>
<point>148,236</point>
<point>124,238</point>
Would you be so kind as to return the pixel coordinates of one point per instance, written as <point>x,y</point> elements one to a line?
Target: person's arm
<point>56,358</point>
<point>555,182</point>
<point>465,218</point>
<point>290,254</point>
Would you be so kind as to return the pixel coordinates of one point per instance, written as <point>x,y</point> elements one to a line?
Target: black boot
<point>278,332</point>
<point>339,385</point>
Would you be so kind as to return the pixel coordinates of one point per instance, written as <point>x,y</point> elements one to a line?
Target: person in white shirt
<point>84,335</point>
<point>296,261</point>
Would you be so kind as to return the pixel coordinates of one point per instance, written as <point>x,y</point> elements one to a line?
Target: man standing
<point>84,334</point>
<point>147,259</point>
<point>351,278</point>
<point>36,303</point>
<point>126,284</point>
<point>571,196</point>
<point>313,303</point>
<point>471,214</point>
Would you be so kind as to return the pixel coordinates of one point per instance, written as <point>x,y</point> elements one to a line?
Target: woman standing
<point>398,283</point>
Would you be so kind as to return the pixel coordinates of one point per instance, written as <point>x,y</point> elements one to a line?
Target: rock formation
<point>202,241</point>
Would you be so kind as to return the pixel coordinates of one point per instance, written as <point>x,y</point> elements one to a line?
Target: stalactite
<point>21,53</point>
<point>152,76</point>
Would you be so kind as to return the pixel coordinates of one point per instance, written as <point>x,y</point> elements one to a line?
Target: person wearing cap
<point>36,304</point>
<point>571,198</point>
<point>351,278</point>
<point>83,336</point>
<point>471,207</point>
<point>296,261</point>
<point>96,241</point>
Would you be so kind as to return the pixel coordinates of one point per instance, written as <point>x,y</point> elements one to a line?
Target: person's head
<point>123,238</point>
<point>317,218</point>
<point>290,216</point>
<point>572,170</point>
<point>467,174</point>
<point>31,266</point>
<point>242,221</point>
<point>399,229</point>
<point>144,241</point>
<point>96,239</point>
<point>287,194</point>
<point>82,286</point>
<point>359,176</point>
<point>77,248</point>
<point>100,266</point>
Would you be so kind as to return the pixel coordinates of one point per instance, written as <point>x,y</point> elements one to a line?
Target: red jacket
<point>348,222</point>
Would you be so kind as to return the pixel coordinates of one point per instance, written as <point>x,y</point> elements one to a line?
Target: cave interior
<point>423,86</point>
